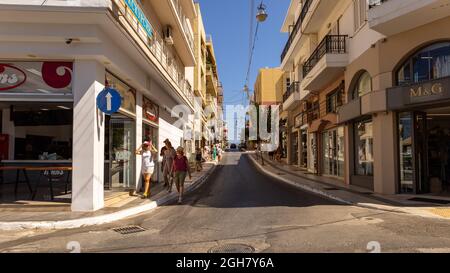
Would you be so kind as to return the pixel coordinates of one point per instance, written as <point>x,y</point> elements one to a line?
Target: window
<point>363,85</point>
<point>432,62</point>
<point>334,99</point>
<point>360,13</point>
<point>364,148</point>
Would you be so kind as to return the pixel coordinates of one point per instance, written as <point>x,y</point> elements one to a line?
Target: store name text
<point>423,91</point>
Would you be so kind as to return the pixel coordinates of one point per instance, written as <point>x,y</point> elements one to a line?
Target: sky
<point>229,24</point>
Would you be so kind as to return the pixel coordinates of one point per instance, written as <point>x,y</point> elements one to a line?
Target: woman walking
<point>180,168</point>
<point>148,153</point>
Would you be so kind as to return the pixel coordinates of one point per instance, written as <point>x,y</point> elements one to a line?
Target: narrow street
<point>238,205</point>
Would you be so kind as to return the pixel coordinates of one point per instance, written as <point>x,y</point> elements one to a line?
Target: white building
<point>55,58</point>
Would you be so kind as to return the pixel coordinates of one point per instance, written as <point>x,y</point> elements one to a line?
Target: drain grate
<point>129,230</point>
<point>232,248</point>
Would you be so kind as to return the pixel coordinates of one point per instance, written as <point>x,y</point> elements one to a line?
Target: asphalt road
<point>240,205</point>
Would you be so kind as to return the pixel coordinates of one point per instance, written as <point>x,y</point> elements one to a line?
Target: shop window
<point>39,131</point>
<point>363,85</point>
<point>364,148</point>
<point>406,152</point>
<point>432,62</point>
<point>127,93</point>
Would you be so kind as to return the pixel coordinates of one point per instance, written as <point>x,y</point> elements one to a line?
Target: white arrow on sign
<point>108,102</point>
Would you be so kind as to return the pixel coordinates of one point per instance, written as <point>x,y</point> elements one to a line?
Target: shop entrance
<point>424,150</point>
<point>120,145</point>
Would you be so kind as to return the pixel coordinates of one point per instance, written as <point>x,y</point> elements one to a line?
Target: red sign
<point>11,77</point>
<point>151,110</point>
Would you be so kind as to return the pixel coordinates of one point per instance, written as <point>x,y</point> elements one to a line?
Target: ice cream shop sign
<point>36,77</point>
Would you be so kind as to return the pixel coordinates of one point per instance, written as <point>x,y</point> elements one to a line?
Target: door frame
<point>117,116</point>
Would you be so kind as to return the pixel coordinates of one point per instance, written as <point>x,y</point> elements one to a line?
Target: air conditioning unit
<point>168,36</point>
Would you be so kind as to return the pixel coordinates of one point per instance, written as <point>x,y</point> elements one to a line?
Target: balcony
<point>171,13</point>
<point>212,84</point>
<point>154,46</point>
<point>313,113</point>
<point>296,30</point>
<point>316,13</point>
<point>291,99</point>
<point>326,63</point>
<point>390,17</point>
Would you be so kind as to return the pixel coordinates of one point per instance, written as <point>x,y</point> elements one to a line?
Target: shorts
<point>148,170</point>
<point>179,178</point>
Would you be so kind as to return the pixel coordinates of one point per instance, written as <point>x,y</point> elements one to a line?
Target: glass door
<point>295,148</point>
<point>420,151</point>
<point>413,153</point>
<point>121,140</point>
<point>304,152</point>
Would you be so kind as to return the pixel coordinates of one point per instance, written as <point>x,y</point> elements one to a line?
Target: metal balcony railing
<point>374,3</point>
<point>313,113</point>
<point>331,44</point>
<point>183,19</point>
<point>297,28</point>
<point>156,45</point>
<point>294,87</point>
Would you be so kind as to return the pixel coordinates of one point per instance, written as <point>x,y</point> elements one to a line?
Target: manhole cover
<point>128,230</point>
<point>232,248</point>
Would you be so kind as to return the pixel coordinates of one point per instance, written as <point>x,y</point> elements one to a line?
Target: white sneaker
<point>180,200</point>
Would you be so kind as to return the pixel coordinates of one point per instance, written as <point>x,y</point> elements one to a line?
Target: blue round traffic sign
<point>109,101</point>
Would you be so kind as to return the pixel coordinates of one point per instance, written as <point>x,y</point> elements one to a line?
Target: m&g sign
<point>426,90</point>
<point>140,16</point>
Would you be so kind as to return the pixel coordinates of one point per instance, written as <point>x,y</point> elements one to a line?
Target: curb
<point>102,219</point>
<point>386,208</point>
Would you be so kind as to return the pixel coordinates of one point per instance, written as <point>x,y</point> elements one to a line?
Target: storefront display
<point>333,152</point>
<point>120,139</point>
<point>363,148</point>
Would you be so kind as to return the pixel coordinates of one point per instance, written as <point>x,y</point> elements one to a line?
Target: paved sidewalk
<point>118,205</point>
<point>348,194</point>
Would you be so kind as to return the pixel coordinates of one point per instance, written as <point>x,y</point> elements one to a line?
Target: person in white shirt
<point>148,153</point>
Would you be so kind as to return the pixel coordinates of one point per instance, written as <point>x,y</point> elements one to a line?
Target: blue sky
<point>229,24</point>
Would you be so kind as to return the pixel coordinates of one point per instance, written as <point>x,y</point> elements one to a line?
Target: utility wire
<point>252,45</point>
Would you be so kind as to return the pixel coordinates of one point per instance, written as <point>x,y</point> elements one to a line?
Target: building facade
<point>371,97</point>
<point>207,87</point>
<point>56,58</point>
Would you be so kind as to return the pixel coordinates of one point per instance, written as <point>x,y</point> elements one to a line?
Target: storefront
<point>421,101</point>
<point>333,152</point>
<point>120,138</point>
<point>36,105</point>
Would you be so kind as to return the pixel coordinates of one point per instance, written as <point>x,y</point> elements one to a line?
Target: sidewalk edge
<point>386,208</point>
<point>103,219</point>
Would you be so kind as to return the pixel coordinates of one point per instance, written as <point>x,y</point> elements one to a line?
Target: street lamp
<point>262,14</point>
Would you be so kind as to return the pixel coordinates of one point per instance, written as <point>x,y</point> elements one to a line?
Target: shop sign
<point>11,77</point>
<point>150,111</point>
<point>425,91</point>
<point>428,92</point>
<point>140,16</point>
<point>36,77</point>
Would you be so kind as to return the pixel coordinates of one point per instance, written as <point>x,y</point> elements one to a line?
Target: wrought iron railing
<point>331,44</point>
<point>294,87</point>
<point>297,28</point>
<point>155,44</point>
